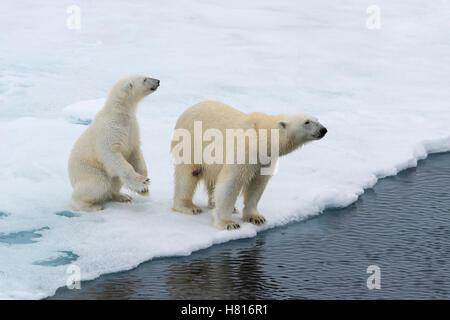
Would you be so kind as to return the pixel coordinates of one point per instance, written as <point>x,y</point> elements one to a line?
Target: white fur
<point>224,182</point>
<point>108,154</point>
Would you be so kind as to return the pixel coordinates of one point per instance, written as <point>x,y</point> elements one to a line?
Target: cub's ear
<point>282,124</point>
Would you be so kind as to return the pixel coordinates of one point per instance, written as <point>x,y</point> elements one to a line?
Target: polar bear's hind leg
<point>226,192</point>
<point>185,185</point>
<point>91,190</point>
<point>210,186</point>
<point>116,195</point>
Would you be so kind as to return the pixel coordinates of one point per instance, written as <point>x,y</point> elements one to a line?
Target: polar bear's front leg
<point>252,194</point>
<point>137,161</point>
<point>116,166</point>
<point>229,184</point>
<point>91,187</point>
<point>210,186</point>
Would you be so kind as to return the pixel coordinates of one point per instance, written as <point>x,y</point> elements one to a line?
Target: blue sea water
<point>22,237</point>
<point>67,214</point>
<point>64,257</point>
<point>401,225</point>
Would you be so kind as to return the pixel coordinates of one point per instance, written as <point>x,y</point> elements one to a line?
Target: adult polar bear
<point>108,154</point>
<point>224,181</point>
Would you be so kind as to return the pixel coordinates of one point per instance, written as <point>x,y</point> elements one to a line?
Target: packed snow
<point>382,93</point>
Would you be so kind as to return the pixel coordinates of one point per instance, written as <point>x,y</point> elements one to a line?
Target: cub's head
<point>134,87</point>
<point>298,129</point>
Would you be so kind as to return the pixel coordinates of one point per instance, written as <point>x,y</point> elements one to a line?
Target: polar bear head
<point>131,89</point>
<point>298,129</point>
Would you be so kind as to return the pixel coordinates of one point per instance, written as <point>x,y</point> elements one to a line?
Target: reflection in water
<point>208,274</point>
<point>401,225</point>
<point>226,274</point>
<point>123,288</point>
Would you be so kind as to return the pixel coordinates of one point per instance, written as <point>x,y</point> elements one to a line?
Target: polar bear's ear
<point>283,124</point>
<point>130,86</point>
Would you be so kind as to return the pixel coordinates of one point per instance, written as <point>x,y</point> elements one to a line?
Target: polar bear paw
<point>84,206</point>
<point>255,219</point>
<point>144,193</point>
<point>191,209</point>
<point>232,225</point>
<point>121,197</point>
<point>94,207</point>
<point>225,224</point>
<point>138,184</point>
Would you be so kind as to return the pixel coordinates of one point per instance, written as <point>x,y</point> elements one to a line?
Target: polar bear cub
<point>224,180</point>
<point>108,154</point>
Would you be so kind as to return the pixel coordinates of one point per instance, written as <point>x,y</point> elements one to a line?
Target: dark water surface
<point>401,225</point>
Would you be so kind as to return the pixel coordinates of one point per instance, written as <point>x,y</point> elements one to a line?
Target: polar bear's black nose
<point>323,131</point>
<point>153,82</point>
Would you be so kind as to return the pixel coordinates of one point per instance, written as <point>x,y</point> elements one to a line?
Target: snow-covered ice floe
<point>83,112</point>
<point>383,95</point>
<point>40,235</point>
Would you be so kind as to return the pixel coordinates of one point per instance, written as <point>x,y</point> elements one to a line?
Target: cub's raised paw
<point>255,219</point>
<point>138,183</point>
<point>188,209</point>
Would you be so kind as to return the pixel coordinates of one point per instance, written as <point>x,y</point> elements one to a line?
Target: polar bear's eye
<point>307,122</point>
